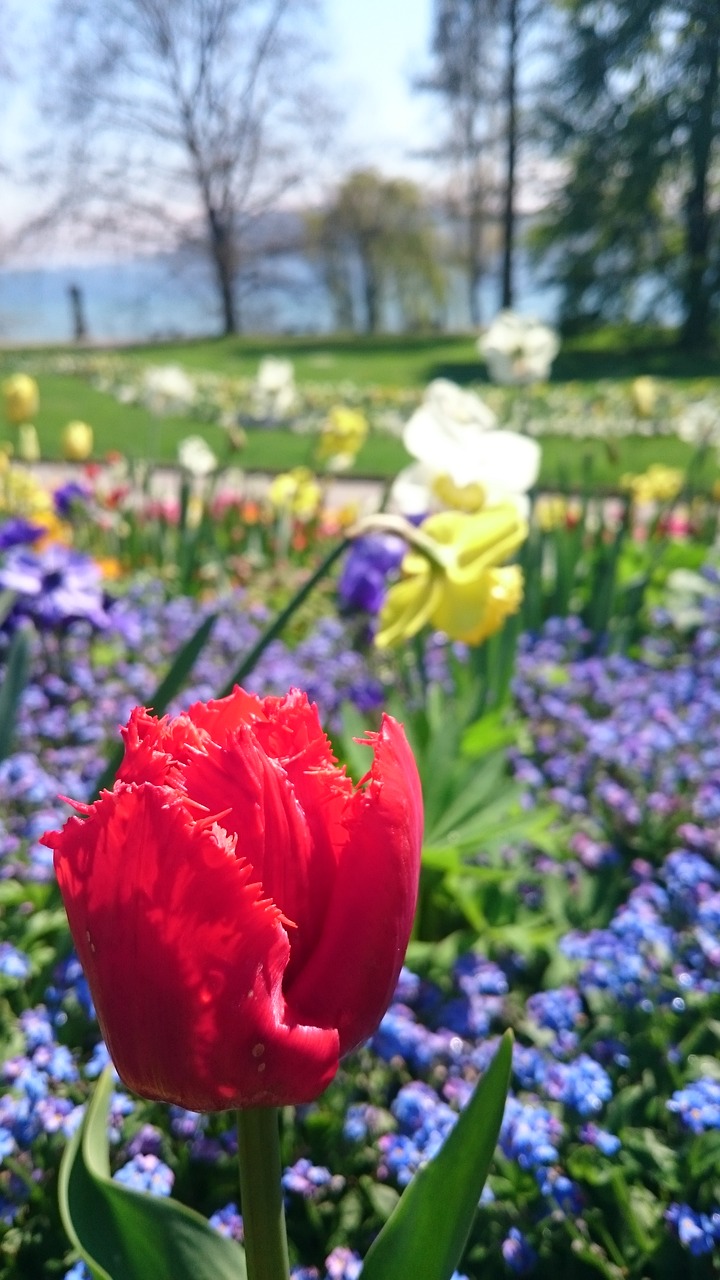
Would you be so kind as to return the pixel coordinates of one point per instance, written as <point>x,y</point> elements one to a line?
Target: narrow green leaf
<point>126,1235</point>
<point>16,677</point>
<point>169,686</point>
<point>425,1236</point>
<point>252,658</point>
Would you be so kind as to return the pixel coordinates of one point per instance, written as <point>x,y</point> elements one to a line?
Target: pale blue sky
<point>374,48</point>
<point>377,46</point>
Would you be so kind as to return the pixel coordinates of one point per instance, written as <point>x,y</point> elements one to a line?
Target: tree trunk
<point>372,302</point>
<point>511,157</point>
<point>370,284</point>
<point>697,291</point>
<point>474,248</point>
<point>221,251</point>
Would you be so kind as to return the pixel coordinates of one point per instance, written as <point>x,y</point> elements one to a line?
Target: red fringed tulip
<point>240,908</point>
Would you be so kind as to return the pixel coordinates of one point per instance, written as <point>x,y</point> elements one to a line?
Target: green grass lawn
<point>414,359</point>
<point>388,361</point>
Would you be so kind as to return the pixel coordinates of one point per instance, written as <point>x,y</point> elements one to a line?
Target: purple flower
<point>582,1084</point>
<point>228,1222</point>
<point>698,1232</point>
<point>55,587</point>
<point>307,1179</point>
<point>13,963</point>
<point>363,579</point>
<point>698,1105</point>
<point>16,531</point>
<point>70,495</point>
<point>146,1173</point>
<point>608,1144</point>
<point>519,1255</point>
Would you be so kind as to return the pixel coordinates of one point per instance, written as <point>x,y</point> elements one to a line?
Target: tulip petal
<point>261,809</point>
<point>185,957</point>
<point>221,716</point>
<point>154,748</point>
<point>349,980</point>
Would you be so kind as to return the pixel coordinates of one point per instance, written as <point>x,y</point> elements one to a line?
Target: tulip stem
<point>263,1213</point>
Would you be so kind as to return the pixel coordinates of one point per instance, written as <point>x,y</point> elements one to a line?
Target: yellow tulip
<point>658,484</point>
<point>643,393</point>
<point>21,494</point>
<point>342,436</point>
<point>77,441</point>
<point>28,443</point>
<point>453,579</point>
<point>297,492</point>
<point>551,512</point>
<point>22,398</point>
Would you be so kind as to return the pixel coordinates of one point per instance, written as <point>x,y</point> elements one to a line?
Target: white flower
<point>700,423</point>
<point>196,456</point>
<point>166,388</point>
<point>274,394</point>
<point>463,460</point>
<point>518,349</point>
<point>686,595</point>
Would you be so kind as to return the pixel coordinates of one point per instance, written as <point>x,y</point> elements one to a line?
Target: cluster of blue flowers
<point>625,747</point>
<point>70,711</point>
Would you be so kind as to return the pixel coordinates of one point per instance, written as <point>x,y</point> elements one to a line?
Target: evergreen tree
<point>637,116</point>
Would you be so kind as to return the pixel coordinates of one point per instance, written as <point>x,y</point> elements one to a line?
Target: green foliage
<point>473,815</point>
<point>426,1234</point>
<point>17,670</point>
<point>378,229</point>
<point>636,116</point>
<point>124,1235</point>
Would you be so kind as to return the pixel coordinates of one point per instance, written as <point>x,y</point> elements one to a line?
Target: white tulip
<point>518,349</point>
<point>167,389</point>
<point>274,394</point>
<point>196,456</point>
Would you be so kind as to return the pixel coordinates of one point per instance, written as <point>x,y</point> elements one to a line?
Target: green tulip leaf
<point>426,1235</point>
<point>126,1235</point>
<point>17,670</point>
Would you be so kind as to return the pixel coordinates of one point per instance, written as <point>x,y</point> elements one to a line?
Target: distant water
<point>163,298</point>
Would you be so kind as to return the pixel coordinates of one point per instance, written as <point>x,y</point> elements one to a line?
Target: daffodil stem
<point>280,621</point>
<point>261,1198</point>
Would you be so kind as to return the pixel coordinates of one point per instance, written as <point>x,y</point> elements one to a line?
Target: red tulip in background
<point>241,909</point>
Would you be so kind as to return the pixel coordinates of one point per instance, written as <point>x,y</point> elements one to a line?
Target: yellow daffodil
<point>77,441</point>
<point>296,492</point>
<point>454,579</point>
<point>341,437</point>
<point>22,398</point>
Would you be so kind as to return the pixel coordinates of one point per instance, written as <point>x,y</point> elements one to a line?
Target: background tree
<point>378,248</point>
<point>186,121</point>
<point>481,59</point>
<point>638,120</point>
<point>463,76</point>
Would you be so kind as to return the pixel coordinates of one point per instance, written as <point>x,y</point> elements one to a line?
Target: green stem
<point>276,626</point>
<point>261,1200</point>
